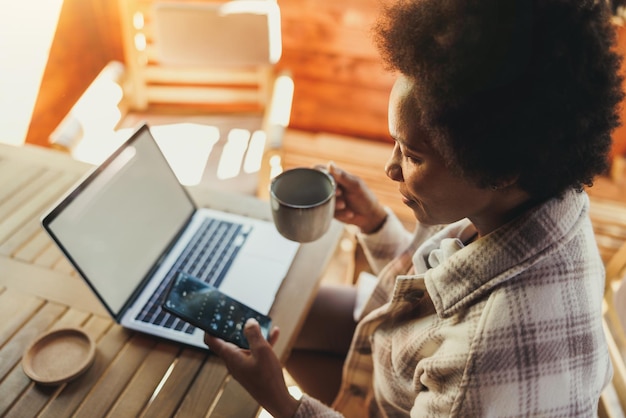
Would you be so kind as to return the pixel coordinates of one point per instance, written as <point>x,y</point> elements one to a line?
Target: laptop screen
<point>118,222</point>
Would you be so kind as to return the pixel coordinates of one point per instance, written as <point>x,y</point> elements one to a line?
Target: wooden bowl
<point>59,356</point>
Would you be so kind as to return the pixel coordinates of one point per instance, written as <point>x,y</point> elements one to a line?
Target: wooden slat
<point>13,175</point>
<point>354,14</point>
<point>94,327</point>
<point>119,373</point>
<point>142,386</point>
<point>182,94</point>
<point>235,402</point>
<point>135,60</point>
<point>610,210</point>
<point>207,385</point>
<point>32,200</point>
<point>330,27</point>
<point>184,378</point>
<point>341,85</point>
<point>615,268</point>
<point>14,242</point>
<point>343,69</point>
<point>49,285</point>
<point>35,156</point>
<point>7,170</point>
<point>326,106</point>
<point>48,257</point>
<point>25,406</point>
<point>34,246</point>
<point>15,309</point>
<point>609,224</point>
<point>160,74</point>
<point>63,266</point>
<point>111,340</point>
<point>11,353</point>
<point>299,35</point>
<point>619,367</point>
<point>35,397</point>
<point>14,184</point>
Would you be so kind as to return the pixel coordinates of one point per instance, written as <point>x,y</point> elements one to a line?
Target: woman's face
<point>427,186</point>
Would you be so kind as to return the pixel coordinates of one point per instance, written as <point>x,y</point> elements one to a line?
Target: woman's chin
<point>419,214</point>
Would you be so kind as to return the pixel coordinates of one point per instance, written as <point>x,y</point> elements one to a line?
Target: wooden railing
<point>609,222</point>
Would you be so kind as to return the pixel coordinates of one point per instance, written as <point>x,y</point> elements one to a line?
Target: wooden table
<point>133,374</point>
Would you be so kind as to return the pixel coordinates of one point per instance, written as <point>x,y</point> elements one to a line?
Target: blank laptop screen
<point>118,222</point>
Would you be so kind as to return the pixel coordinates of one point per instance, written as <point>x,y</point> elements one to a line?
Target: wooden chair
<point>210,58</point>
<point>613,401</point>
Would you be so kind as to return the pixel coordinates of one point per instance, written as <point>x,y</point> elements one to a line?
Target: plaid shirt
<point>507,326</point>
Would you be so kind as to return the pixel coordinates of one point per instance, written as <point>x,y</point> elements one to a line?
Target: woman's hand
<point>355,203</point>
<point>258,369</point>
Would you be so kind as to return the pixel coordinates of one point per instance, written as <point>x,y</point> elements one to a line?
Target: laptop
<point>129,226</point>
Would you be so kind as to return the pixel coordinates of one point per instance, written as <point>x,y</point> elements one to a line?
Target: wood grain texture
<point>129,367</point>
<point>340,83</point>
<point>327,47</point>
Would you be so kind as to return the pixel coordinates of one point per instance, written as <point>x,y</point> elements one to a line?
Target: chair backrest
<point>213,54</point>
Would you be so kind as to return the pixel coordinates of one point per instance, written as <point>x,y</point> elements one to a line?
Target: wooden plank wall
<point>619,136</point>
<point>340,84</point>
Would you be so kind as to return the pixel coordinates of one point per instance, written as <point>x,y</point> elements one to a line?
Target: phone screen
<point>205,307</point>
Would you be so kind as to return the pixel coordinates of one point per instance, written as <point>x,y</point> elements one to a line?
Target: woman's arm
<point>259,371</point>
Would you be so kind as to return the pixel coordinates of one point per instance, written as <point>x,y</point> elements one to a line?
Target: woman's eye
<point>402,152</point>
<point>412,159</point>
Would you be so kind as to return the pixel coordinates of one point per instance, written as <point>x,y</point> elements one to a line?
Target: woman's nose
<point>393,169</point>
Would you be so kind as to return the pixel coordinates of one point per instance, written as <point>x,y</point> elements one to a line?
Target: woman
<point>501,114</point>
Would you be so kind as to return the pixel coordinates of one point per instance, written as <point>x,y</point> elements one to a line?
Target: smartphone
<point>205,307</point>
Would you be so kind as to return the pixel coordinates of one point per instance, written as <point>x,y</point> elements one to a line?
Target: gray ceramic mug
<point>303,203</point>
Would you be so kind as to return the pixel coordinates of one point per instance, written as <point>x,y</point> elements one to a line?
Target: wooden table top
<point>133,374</point>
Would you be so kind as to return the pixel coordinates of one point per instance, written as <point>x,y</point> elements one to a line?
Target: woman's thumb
<point>252,332</point>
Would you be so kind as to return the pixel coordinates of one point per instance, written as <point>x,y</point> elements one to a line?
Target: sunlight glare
<point>283,92</point>
<point>140,42</point>
<point>138,20</point>
<point>95,115</point>
<point>254,156</point>
<point>186,147</point>
<point>26,31</point>
<point>276,166</point>
<point>233,153</point>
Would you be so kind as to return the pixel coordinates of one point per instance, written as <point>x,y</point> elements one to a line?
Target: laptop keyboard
<point>207,256</point>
